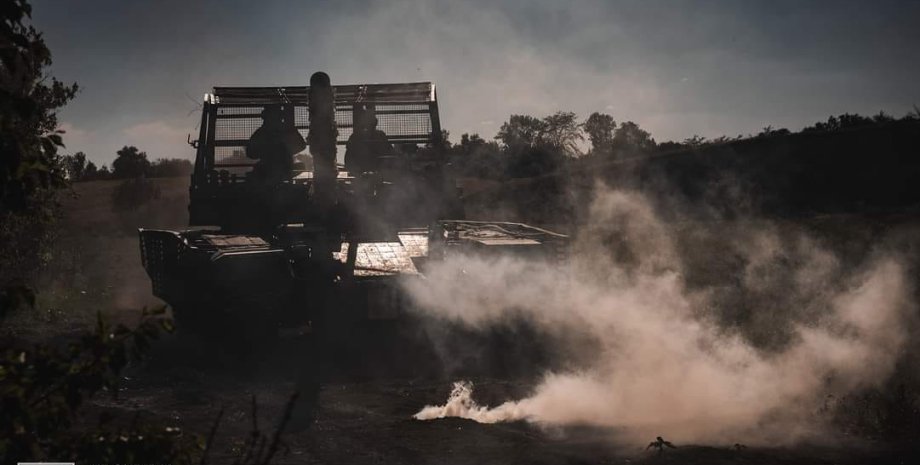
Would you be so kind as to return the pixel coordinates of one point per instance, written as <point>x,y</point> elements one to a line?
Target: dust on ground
<point>372,420</point>
<point>357,419</point>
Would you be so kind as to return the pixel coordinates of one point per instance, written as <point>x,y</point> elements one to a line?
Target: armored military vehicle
<point>283,235</point>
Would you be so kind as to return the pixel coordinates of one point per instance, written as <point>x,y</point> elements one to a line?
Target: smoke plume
<point>677,360</point>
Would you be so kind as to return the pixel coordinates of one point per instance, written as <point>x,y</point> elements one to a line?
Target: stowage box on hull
<point>207,276</point>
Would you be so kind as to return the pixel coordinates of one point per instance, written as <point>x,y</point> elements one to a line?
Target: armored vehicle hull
<point>220,280</point>
<point>288,238</point>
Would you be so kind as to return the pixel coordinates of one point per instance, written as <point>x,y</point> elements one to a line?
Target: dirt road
<point>362,420</point>
<point>357,418</point>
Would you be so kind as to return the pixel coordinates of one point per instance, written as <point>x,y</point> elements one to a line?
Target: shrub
<point>43,388</point>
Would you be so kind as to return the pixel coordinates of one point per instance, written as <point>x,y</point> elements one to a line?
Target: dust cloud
<point>666,362</point>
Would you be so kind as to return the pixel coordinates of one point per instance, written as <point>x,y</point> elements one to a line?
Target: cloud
<point>75,138</point>
<point>160,139</point>
<point>154,129</point>
<point>746,65</point>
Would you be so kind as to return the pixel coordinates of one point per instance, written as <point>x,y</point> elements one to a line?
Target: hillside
<point>95,262</point>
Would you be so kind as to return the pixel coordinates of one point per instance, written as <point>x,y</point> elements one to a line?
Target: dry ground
<point>357,420</point>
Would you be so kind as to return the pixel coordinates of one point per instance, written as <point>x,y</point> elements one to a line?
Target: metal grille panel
<point>400,125</point>
<point>403,113</point>
<point>232,156</point>
<point>160,251</point>
<point>235,128</point>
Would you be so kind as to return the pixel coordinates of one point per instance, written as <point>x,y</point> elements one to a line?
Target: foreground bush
<point>43,390</point>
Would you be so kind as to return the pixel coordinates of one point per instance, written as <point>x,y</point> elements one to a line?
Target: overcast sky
<point>675,68</point>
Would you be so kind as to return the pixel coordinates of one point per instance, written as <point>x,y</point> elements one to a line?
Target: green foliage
<point>130,163</point>
<point>520,131</point>
<point>29,137</point>
<point>671,146</point>
<point>600,127</point>
<point>75,165</point>
<point>30,170</point>
<point>78,168</point>
<point>562,132</point>
<point>842,122</point>
<point>630,140</point>
<point>559,131</point>
<point>170,168</point>
<point>528,162</point>
<point>43,389</point>
<point>26,238</point>
<point>530,146</point>
<point>838,123</point>
<point>470,143</point>
<point>533,147</point>
<point>476,157</point>
<point>695,141</point>
<point>770,131</point>
<point>91,171</point>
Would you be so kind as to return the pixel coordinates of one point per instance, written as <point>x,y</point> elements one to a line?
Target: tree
<point>600,127</point>
<point>882,117</point>
<point>471,140</point>
<point>528,162</point>
<point>469,144</point>
<point>130,163</point>
<point>670,146</point>
<point>443,142</point>
<point>29,137</point>
<point>30,169</point>
<point>170,168</point>
<point>559,131</point>
<point>520,131</point>
<point>695,141</point>
<point>76,166</point>
<point>629,139</point>
<point>837,123</point>
<point>533,146</point>
<point>477,157</point>
<point>91,171</point>
<point>912,115</point>
<point>562,132</point>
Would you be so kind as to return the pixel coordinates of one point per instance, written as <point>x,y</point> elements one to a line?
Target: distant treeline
<point>528,146</point>
<point>866,168</point>
<point>847,164</point>
<point>129,163</point>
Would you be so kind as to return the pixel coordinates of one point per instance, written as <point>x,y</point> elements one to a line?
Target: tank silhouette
<point>322,248</point>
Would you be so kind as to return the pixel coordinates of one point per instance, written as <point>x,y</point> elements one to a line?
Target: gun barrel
<point>322,138</point>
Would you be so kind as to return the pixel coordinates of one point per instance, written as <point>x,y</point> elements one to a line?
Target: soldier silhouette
<point>274,145</point>
<point>367,143</point>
